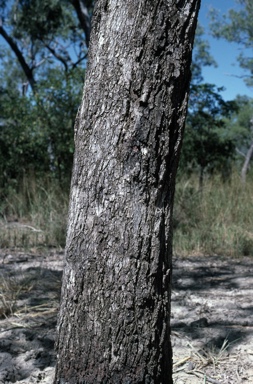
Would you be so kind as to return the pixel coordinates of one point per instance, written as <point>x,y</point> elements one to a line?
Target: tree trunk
<point>247,157</point>
<point>114,320</point>
<point>246,163</point>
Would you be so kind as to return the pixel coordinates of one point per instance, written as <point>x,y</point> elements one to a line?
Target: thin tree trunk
<point>246,163</point>
<point>114,320</point>
<point>247,158</point>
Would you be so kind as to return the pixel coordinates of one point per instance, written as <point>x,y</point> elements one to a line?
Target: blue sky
<point>224,53</point>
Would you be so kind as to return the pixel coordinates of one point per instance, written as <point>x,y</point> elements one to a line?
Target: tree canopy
<point>44,33</point>
<point>43,57</point>
<point>43,60</point>
<point>237,27</point>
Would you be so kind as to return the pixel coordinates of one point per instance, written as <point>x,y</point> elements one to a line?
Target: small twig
<point>198,354</point>
<point>180,362</point>
<point>237,76</point>
<point>237,374</point>
<point>23,226</point>
<point>15,325</point>
<point>240,152</point>
<point>207,378</point>
<point>30,315</point>
<point>29,227</point>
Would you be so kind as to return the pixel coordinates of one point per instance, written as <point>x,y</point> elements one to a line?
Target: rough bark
<point>114,320</point>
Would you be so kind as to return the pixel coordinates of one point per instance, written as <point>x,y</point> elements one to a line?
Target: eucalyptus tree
<point>114,320</point>
<point>43,50</point>
<point>40,33</point>
<point>237,27</point>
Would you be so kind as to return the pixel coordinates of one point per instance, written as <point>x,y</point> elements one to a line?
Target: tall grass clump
<point>214,220</point>
<point>33,213</point>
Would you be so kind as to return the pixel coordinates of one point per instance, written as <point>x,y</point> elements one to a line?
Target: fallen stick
<point>207,378</point>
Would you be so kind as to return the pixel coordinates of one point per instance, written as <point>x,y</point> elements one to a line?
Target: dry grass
<point>217,220</point>
<point>29,297</point>
<point>208,366</point>
<point>34,214</point>
<point>11,287</point>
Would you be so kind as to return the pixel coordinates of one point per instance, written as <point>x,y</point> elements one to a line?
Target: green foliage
<point>20,146</point>
<point>208,145</point>
<point>44,34</point>
<point>38,19</point>
<point>36,126</point>
<point>240,123</point>
<point>237,27</point>
<point>57,103</point>
<point>36,132</point>
<point>201,56</point>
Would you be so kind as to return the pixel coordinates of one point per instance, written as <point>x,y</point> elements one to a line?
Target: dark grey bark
<point>114,320</point>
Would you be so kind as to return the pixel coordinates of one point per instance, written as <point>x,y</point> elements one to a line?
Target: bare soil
<point>212,318</point>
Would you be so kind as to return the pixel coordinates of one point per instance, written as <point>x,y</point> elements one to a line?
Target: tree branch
<point>27,70</point>
<point>83,17</point>
<point>238,76</point>
<point>56,55</point>
<point>79,61</point>
<point>240,152</point>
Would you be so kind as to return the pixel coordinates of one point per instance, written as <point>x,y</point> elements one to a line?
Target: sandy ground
<point>212,318</point>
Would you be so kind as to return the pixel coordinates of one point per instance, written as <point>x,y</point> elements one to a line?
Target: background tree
<point>43,49</point>
<point>39,32</point>
<point>240,126</point>
<point>36,132</point>
<point>115,309</point>
<point>208,143</point>
<point>237,27</point>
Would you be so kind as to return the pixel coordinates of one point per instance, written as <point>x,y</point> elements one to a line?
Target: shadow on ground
<point>211,300</point>
<point>30,292</point>
<point>211,303</point>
